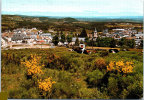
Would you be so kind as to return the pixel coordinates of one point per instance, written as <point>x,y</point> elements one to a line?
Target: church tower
<point>95,34</point>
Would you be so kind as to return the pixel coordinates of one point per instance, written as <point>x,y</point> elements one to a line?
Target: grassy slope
<point>13,74</point>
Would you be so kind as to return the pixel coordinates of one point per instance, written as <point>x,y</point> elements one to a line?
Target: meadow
<point>60,74</point>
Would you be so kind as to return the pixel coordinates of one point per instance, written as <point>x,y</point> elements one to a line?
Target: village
<point>72,49</point>
<point>33,38</point>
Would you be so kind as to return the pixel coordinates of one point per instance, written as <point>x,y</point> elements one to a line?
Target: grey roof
<point>80,39</point>
<point>18,36</point>
<point>140,33</point>
<point>27,37</point>
<point>46,34</point>
<point>137,35</point>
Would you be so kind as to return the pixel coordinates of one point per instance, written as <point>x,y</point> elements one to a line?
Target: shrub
<point>91,94</point>
<point>100,63</point>
<point>113,88</point>
<point>80,79</point>
<point>94,78</point>
<point>135,91</point>
<point>45,86</point>
<point>121,67</point>
<point>124,48</point>
<point>103,53</point>
<point>33,67</point>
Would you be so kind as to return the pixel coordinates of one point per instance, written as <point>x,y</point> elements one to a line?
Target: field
<point>60,74</point>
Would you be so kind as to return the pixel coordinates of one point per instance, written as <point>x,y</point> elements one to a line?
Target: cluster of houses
<point>35,36</point>
<point>26,36</point>
<point>125,33</point>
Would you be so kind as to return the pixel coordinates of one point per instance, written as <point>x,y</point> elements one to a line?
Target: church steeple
<point>95,33</point>
<point>95,30</point>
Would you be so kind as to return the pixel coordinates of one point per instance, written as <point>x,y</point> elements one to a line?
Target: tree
<point>83,33</point>
<point>69,38</point>
<point>122,42</point>
<point>55,39</point>
<point>81,42</point>
<point>141,44</point>
<point>131,43</point>
<point>63,38</point>
<point>113,43</point>
<point>87,41</point>
<point>77,42</point>
<point>126,42</point>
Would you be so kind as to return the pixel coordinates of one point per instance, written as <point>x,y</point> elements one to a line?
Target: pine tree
<point>83,33</point>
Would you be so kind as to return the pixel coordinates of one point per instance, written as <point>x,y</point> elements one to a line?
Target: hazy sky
<point>73,7</point>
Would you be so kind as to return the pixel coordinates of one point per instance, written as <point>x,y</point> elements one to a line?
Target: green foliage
<point>113,87</point>
<point>77,42</point>
<point>55,39</point>
<point>113,43</point>
<point>69,38</point>
<point>128,43</point>
<point>93,78</point>
<point>103,53</point>
<point>124,48</point>
<point>92,93</point>
<point>77,76</point>
<point>131,43</point>
<point>106,42</point>
<point>83,33</point>
<point>63,38</point>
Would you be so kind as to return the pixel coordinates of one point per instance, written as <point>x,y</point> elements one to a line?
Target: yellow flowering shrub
<point>111,67</point>
<point>121,66</point>
<point>33,66</point>
<point>46,84</point>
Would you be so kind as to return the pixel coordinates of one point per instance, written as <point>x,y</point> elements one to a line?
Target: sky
<point>83,8</point>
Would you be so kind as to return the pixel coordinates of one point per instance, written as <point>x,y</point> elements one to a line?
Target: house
<point>118,29</point>
<point>139,36</point>
<point>137,42</point>
<point>18,36</point>
<point>60,44</point>
<point>79,38</point>
<point>4,42</point>
<point>47,37</point>
<point>65,43</point>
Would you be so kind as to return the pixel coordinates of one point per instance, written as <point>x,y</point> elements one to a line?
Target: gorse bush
<point>121,67</point>
<point>33,66</point>
<point>45,86</point>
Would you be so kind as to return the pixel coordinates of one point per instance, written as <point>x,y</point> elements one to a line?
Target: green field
<point>77,76</point>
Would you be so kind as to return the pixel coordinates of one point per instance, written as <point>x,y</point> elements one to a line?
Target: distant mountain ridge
<point>138,19</point>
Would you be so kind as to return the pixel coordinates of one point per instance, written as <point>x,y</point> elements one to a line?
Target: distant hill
<point>16,21</point>
<point>137,19</point>
<point>68,19</point>
<point>10,22</point>
<point>37,18</point>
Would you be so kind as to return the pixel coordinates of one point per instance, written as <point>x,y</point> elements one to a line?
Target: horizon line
<point>73,16</point>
